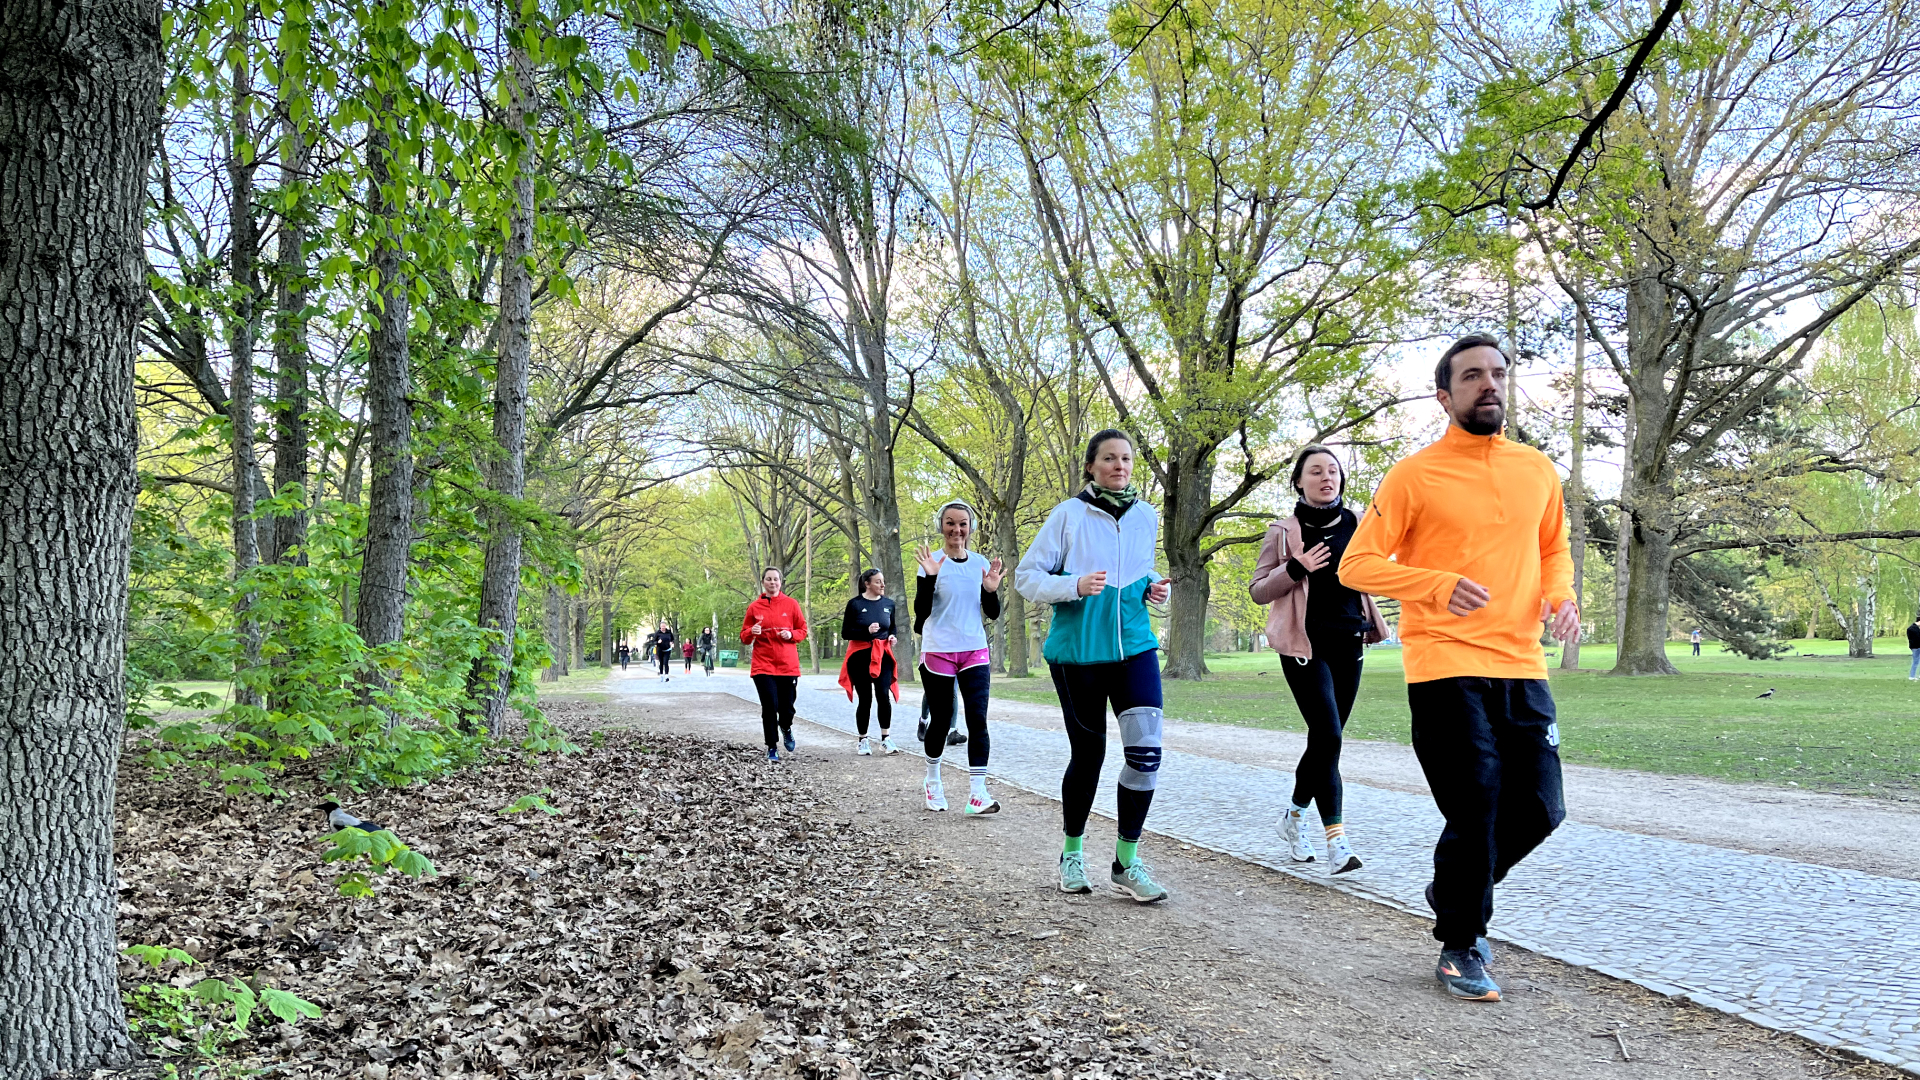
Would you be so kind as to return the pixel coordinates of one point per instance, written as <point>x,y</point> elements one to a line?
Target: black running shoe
<point>954,738</point>
<point>1465,977</point>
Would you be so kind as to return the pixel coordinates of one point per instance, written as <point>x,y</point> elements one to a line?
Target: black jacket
<point>1913,635</point>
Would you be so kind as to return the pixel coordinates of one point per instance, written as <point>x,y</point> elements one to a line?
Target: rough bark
<point>579,633</point>
<point>243,255</point>
<point>79,105</point>
<point>554,625</point>
<point>507,467</point>
<point>382,606</point>
<point>286,541</point>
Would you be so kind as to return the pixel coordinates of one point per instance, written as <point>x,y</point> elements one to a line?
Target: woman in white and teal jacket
<point>1093,561</point>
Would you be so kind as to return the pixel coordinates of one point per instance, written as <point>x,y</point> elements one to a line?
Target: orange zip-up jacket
<point>772,656</point>
<point>1473,506</point>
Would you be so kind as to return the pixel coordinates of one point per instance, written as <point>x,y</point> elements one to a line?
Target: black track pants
<point>1490,749</point>
<point>776,704</point>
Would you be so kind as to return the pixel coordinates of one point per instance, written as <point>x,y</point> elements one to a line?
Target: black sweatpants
<point>866,688</point>
<point>1490,750</point>
<point>938,694</point>
<point>1324,688</point>
<point>1133,687</point>
<point>665,658</point>
<point>776,704</point>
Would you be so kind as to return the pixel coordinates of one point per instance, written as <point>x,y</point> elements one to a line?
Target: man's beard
<point>1473,425</point>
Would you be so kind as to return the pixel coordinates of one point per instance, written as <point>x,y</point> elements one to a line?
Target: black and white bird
<point>340,819</point>
<point>1766,695</point>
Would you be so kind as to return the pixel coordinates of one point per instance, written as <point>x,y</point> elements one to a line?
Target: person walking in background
<point>686,654</point>
<point>1696,641</point>
<point>1913,644</point>
<point>956,591</point>
<point>663,650</point>
<point>868,669</point>
<point>1470,535</point>
<point>709,642</point>
<point>1321,629</point>
<point>625,653</point>
<point>1093,561</point>
<point>773,626</point>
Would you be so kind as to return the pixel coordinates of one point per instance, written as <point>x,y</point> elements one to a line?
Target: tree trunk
<point>79,104</point>
<point>1866,616</point>
<point>1643,644</point>
<point>1621,530</point>
<point>1189,491</point>
<point>883,517</point>
<point>1576,487</point>
<point>383,574</point>
<point>288,538</point>
<point>1013,606</point>
<point>606,633</point>
<point>507,467</point>
<point>579,633</point>
<point>243,260</point>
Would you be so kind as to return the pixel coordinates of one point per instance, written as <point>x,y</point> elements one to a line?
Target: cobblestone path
<point>1832,955</point>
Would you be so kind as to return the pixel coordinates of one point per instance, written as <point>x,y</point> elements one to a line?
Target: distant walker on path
<point>1470,535</point>
<point>1695,637</point>
<point>1913,643</point>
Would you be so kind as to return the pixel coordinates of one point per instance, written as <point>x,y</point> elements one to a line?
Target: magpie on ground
<point>340,819</point>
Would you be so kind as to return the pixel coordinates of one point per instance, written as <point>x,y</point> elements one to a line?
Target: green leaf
<point>290,1008</point>
<point>528,802</point>
<point>157,955</point>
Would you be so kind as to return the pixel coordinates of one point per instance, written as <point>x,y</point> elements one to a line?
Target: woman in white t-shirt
<point>956,591</point>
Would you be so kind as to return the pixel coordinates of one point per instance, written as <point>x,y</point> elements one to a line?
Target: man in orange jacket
<point>1470,535</point>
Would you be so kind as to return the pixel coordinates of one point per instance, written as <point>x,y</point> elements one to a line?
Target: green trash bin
<point>729,657</point>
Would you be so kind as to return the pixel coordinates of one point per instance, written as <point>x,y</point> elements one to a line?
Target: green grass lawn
<point>1833,724</point>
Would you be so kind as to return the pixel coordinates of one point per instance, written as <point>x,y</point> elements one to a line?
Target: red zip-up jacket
<point>771,655</point>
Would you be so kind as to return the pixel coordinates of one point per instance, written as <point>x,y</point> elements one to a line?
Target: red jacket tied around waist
<point>773,655</point>
<point>872,659</point>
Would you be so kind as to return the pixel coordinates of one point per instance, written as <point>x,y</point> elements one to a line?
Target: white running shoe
<point>981,804</point>
<point>1340,857</point>
<point>866,747</point>
<point>936,796</point>
<point>1299,848</point>
<point>886,745</point>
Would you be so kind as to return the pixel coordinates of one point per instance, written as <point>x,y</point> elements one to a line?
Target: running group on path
<point>1469,534</point>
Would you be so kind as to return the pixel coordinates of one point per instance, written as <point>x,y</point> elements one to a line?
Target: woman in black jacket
<point>867,628</point>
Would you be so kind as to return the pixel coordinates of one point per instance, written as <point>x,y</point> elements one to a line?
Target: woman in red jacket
<point>773,626</point>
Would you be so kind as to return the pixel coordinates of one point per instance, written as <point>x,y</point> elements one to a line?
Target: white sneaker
<point>866,747</point>
<point>886,745</point>
<point>1340,857</point>
<point>936,796</point>
<point>1299,848</point>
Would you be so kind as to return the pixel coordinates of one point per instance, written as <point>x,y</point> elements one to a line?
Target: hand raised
<point>1092,583</point>
<point>1469,596</point>
<point>929,560</point>
<point>1316,557</point>
<point>990,580</point>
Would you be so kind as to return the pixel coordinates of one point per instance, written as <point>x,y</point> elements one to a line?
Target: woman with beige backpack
<point>1321,629</point>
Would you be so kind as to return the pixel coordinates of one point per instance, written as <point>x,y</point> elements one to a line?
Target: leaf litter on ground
<point>680,914</point>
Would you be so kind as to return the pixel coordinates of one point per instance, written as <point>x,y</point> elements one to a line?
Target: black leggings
<point>1324,688</point>
<point>1133,687</point>
<point>974,683</point>
<point>776,704</point>
<point>665,658</point>
<point>868,688</point>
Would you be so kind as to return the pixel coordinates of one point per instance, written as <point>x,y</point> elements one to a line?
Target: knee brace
<point>1140,742</point>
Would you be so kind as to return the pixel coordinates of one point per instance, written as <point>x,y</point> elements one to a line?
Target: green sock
<point>1073,844</point>
<point>1125,851</point>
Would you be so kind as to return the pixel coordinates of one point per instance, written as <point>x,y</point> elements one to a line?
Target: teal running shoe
<point>1073,873</point>
<point>1137,882</point>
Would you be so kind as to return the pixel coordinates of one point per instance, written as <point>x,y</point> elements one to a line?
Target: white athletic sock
<point>978,780</point>
<point>1296,808</point>
<point>933,770</point>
